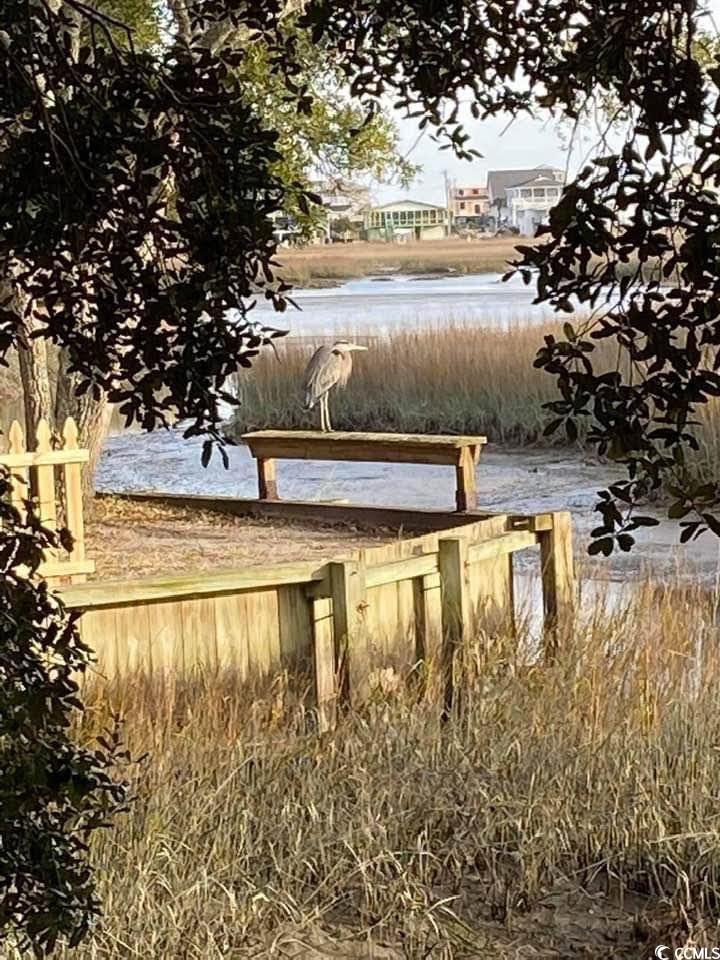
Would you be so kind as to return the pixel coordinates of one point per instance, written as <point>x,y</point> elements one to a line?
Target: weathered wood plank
<point>48,458</point>
<point>362,447</point>
<point>99,632</point>
<point>263,625</point>
<point>72,476</point>
<point>296,627</point>
<point>490,577</point>
<point>430,633</point>
<point>501,545</point>
<point>267,479</point>
<point>455,606</point>
<point>199,636</point>
<point>45,480</point>
<point>340,437</point>
<point>326,664</point>
<point>391,620</point>
<point>161,624</point>
<point>118,592</point>
<point>369,516</point>
<point>535,522</point>
<point>66,568</point>
<point>398,570</point>
<point>381,621</point>
<point>132,631</point>
<point>404,642</point>
<point>232,632</point>
<point>465,486</point>
<point>349,599</point>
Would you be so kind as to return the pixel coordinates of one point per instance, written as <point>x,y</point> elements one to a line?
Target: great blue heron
<point>328,366</point>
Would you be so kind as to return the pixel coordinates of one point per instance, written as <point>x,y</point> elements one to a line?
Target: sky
<point>524,143</point>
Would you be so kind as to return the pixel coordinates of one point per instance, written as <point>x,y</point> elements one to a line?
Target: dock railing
<point>340,623</point>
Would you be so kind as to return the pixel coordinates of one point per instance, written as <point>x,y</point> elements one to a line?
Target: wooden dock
<point>336,623</point>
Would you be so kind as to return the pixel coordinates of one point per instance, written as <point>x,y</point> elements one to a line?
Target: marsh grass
<point>305,265</point>
<point>459,378</point>
<point>598,775</point>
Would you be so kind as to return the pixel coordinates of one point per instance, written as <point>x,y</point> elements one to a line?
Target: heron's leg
<point>327,411</point>
<point>323,400</point>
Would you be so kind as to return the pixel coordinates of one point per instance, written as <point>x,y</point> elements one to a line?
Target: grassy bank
<point>569,809</point>
<point>457,379</point>
<point>307,265</point>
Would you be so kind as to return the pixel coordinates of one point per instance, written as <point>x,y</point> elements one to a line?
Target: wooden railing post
<point>465,490</point>
<point>558,579</point>
<point>267,479</point>
<point>431,640</point>
<point>326,663</point>
<point>349,600</point>
<point>452,561</point>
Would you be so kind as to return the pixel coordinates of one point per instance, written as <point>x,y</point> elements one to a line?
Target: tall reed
<point>458,378</point>
<point>432,836</point>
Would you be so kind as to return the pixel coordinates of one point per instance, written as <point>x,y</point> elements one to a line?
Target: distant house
<point>470,206</point>
<point>285,230</point>
<point>682,174</point>
<point>407,220</point>
<point>523,198</point>
<point>342,214</point>
<point>345,203</point>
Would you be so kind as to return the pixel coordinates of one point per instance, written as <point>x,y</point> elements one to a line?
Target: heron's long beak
<point>356,346</point>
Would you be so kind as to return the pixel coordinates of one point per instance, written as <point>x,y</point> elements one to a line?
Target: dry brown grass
<point>561,811</point>
<point>130,539</point>
<point>304,265</point>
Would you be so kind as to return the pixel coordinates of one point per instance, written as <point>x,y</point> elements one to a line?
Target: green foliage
<point>143,18</point>
<point>53,794</point>
<point>334,137</point>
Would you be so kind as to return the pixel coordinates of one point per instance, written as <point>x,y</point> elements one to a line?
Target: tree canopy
<point>137,183</point>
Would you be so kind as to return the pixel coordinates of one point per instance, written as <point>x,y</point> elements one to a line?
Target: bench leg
<point>267,479</point>
<point>465,491</point>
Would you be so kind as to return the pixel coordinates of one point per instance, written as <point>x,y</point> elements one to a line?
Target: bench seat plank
<point>363,447</point>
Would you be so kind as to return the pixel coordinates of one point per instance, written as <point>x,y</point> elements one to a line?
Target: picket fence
<point>50,477</point>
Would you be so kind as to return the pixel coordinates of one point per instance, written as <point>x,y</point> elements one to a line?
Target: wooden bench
<point>463,453</point>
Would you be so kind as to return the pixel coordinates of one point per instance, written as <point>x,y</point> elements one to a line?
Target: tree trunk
<point>92,418</point>
<point>35,377</point>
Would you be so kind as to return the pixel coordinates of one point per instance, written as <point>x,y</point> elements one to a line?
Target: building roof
<point>413,204</point>
<point>536,182</point>
<point>500,180</point>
